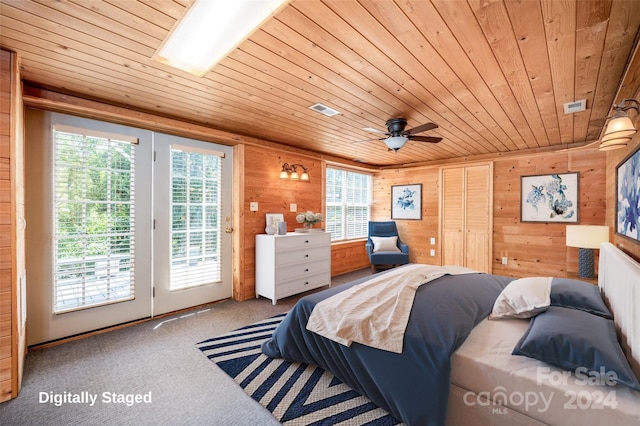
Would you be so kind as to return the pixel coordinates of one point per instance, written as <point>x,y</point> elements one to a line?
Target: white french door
<point>192,226</point>
<point>109,226</point>
<point>89,225</point>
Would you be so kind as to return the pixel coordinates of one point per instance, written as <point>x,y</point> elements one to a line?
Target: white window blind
<point>195,217</point>
<point>94,218</point>
<point>348,204</point>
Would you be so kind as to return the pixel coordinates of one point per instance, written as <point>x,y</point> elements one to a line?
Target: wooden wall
<point>262,166</point>
<point>614,158</point>
<point>415,233</point>
<point>531,248</point>
<point>12,254</point>
<point>6,288</point>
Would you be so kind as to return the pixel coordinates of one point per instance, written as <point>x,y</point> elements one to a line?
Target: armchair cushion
<point>385,244</point>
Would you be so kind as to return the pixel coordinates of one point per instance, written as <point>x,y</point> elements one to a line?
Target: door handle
<point>228,230</point>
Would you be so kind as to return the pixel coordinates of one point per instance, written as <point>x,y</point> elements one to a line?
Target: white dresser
<point>292,263</point>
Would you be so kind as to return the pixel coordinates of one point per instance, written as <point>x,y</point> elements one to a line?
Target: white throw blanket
<point>376,312</point>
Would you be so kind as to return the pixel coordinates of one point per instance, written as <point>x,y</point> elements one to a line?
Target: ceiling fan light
<point>619,127</point>
<point>395,142</point>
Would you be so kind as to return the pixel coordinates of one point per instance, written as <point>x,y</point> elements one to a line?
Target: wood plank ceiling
<point>493,74</point>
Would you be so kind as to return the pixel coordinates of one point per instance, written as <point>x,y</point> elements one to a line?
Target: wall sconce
<point>620,128</point>
<point>586,238</point>
<point>291,172</point>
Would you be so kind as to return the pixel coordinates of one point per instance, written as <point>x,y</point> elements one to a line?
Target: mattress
<point>484,366</point>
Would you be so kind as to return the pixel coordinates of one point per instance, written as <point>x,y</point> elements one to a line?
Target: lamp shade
<point>611,144</point>
<point>619,127</point>
<point>586,236</point>
<point>396,142</point>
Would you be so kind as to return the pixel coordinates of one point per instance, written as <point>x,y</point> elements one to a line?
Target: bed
<point>456,366</point>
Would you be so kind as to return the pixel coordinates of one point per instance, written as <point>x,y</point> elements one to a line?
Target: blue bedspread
<point>413,386</point>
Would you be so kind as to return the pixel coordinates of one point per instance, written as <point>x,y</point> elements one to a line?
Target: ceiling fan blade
<point>369,140</point>
<point>429,139</point>
<point>371,129</point>
<point>422,128</point>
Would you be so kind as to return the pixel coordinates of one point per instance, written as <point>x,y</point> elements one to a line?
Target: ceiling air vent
<point>323,109</point>
<point>576,106</point>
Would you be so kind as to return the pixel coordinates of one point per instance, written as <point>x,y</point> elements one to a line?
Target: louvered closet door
<point>466,216</point>
<point>452,217</point>
<point>478,214</point>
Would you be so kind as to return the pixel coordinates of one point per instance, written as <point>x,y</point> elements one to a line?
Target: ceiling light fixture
<point>395,142</point>
<point>620,129</point>
<point>290,171</point>
<point>210,29</point>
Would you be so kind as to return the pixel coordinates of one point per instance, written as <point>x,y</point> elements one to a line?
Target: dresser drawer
<point>285,273</point>
<point>298,285</point>
<point>293,241</point>
<point>306,254</point>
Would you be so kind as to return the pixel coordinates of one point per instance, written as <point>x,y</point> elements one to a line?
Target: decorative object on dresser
<point>292,263</point>
<point>628,196</point>
<point>272,220</point>
<point>308,219</point>
<point>587,238</point>
<point>406,201</point>
<point>549,198</point>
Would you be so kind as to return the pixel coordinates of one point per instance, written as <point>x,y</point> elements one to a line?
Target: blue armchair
<point>383,248</point>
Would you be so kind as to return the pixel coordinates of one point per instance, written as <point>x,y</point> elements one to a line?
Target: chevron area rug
<point>295,393</point>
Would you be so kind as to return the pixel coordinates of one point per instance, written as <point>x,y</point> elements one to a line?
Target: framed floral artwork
<point>406,201</point>
<point>628,196</point>
<point>549,198</point>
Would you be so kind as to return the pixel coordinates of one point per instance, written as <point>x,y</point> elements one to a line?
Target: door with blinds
<point>192,223</point>
<point>89,225</point>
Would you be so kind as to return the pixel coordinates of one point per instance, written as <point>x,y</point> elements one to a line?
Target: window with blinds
<point>195,217</point>
<point>348,204</point>
<point>94,218</point>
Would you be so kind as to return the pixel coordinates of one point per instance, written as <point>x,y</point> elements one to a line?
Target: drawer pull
<point>306,241</point>
<point>306,270</point>
<point>306,255</point>
<point>306,283</point>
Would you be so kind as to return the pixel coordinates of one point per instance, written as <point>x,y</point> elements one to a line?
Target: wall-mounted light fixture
<point>290,171</point>
<point>620,128</point>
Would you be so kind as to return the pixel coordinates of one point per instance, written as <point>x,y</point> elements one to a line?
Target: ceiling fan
<point>397,136</point>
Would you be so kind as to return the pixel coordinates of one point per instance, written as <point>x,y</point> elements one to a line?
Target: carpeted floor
<point>155,362</point>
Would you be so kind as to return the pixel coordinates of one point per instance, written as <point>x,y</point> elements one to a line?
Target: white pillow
<point>523,298</point>
<point>385,244</point>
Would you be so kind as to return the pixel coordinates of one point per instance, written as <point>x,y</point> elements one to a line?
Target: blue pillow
<point>577,294</point>
<point>571,338</point>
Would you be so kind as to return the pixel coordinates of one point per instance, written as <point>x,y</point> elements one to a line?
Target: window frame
<point>345,205</point>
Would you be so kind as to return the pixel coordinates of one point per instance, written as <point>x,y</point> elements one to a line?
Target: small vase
<point>271,229</point>
<point>308,226</point>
